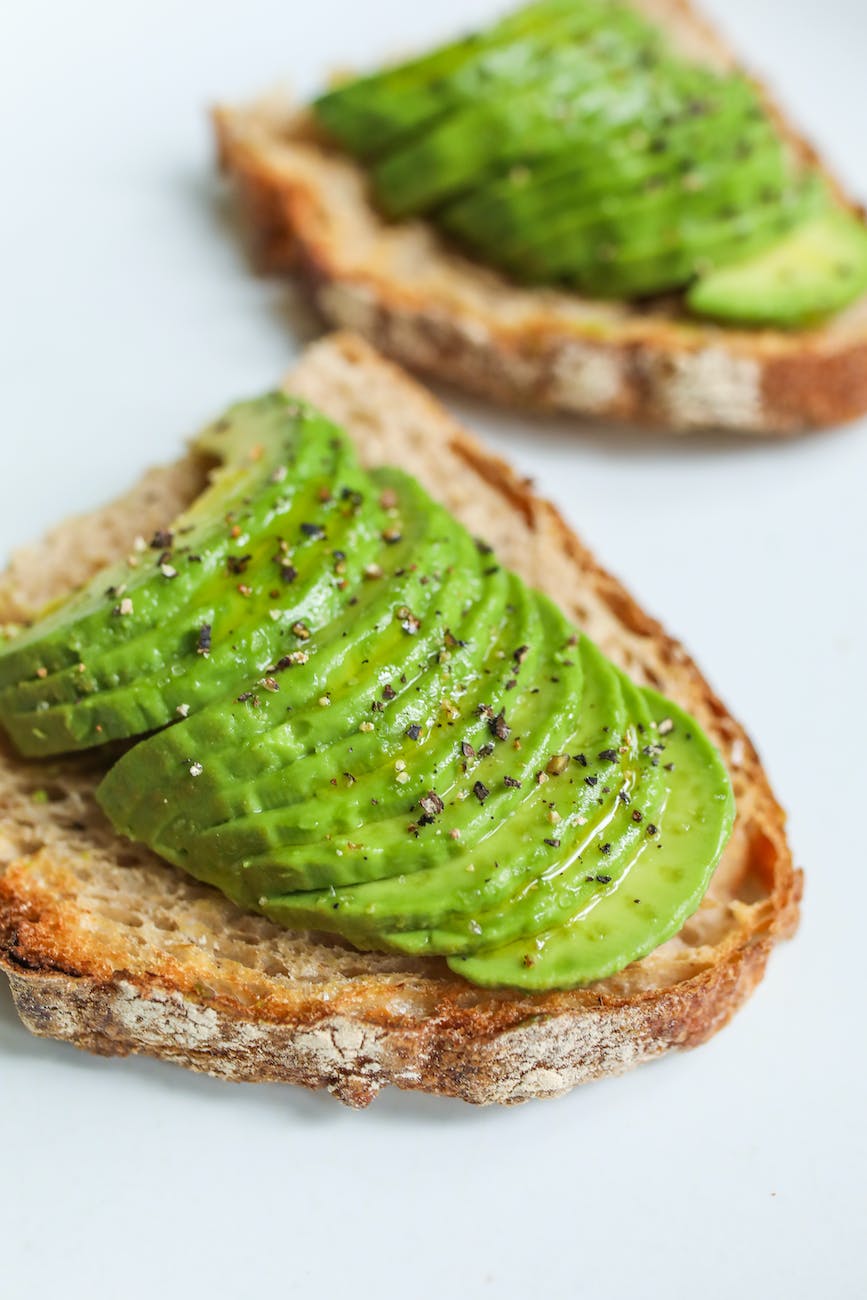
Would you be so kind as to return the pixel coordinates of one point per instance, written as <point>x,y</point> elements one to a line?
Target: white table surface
<point>127,317</point>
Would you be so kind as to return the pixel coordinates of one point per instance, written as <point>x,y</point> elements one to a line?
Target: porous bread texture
<point>110,948</point>
<point>417,299</point>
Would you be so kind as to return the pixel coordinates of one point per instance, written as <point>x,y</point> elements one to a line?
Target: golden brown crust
<point>420,302</point>
<point>108,947</point>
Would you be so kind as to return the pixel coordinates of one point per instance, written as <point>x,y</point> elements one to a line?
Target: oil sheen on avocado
<point>352,718</point>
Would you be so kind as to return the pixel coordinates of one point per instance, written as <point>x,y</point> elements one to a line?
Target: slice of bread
<point>414,297</point>
<point>110,948</point>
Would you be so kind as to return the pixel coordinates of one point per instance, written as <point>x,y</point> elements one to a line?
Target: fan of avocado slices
<point>344,713</point>
<point>571,145</point>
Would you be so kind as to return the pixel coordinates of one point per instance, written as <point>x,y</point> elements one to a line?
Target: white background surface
<point>128,317</point>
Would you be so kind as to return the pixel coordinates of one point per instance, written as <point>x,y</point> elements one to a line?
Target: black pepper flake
<point>499,727</point>
<point>511,684</point>
<point>431,804</point>
<point>413,731</point>
<point>391,536</point>
<point>314,531</point>
<point>288,572</point>
<point>605,848</point>
<point>162,539</point>
<point>520,654</point>
<point>554,844</point>
<point>467,749</point>
<point>203,644</point>
<point>651,829</point>
<point>485,751</point>
<point>481,791</point>
<point>388,692</point>
<point>636,815</point>
<point>511,783</point>
<point>607,755</point>
<point>581,759</point>
<point>623,797</point>
<point>603,879</point>
<point>482,547</point>
<point>591,780</point>
<point>237,563</point>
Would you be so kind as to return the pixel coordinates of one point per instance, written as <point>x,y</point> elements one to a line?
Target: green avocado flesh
<point>570,145</point>
<point>347,715</point>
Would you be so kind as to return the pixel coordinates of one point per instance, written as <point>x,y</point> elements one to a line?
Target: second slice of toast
<point>308,207</point>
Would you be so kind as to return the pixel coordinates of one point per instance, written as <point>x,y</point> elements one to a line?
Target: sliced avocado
<point>700,139</point>
<point>572,144</point>
<point>369,114</point>
<point>170,627</point>
<point>689,250</point>
<point>604,845</point>
<point>652,899</point>
<point>245,737</point>
<point>630,223</point>
<point>819,268</point>
<point>570,801</point>
<point>567,111</point>
<point>431,759</point>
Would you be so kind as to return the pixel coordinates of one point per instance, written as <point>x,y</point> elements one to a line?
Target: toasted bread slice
<point>110,948</point>
<point>415,298</point>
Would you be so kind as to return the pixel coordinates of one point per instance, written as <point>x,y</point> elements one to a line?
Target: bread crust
<point>307,208</point>
<point>109,948</point>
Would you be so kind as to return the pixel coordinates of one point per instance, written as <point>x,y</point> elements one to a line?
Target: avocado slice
<point>393,908</point>
<point>649,902</point>
<point>573,144</point>
<point>430,758</point>
<point>588,96</point>
<point>635,161</point>
<point>664,212</point>
<point>817,270</point>
<point>128,652</point>
<point>370,114</point>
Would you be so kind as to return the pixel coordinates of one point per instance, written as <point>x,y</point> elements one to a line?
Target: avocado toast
<point>108,946</point>
<point>585,207</point>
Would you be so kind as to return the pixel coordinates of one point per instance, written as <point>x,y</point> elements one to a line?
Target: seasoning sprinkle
<point>431,804</point>
<point>499,727</point>
<point>481,791</point>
